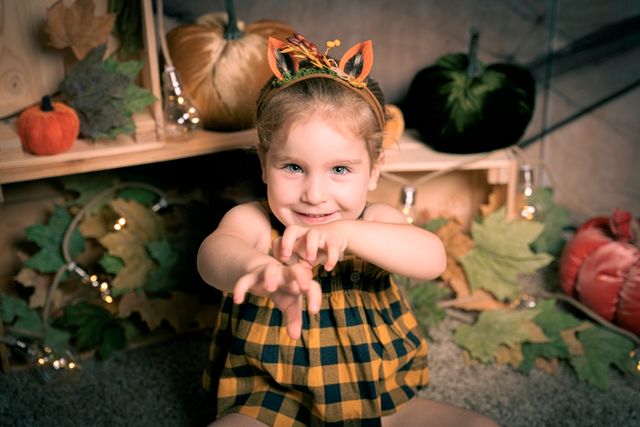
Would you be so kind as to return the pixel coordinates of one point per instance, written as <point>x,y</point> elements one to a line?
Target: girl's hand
<point>285,285</point>
<point>315,245</point>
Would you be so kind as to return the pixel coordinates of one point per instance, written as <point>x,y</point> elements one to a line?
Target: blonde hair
<point>334,102</point>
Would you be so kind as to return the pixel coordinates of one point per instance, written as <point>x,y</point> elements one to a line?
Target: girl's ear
<point>280,63</point>
<point>376,168</point>
<point>358,60</point>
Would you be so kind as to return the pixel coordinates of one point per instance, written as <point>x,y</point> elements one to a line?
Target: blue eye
<point>341,170</point>
<point>292,167</point>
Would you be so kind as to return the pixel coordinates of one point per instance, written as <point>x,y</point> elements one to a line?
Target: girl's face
<point>318,174</point>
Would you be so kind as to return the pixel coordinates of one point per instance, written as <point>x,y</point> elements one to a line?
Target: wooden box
<point>30,69</point>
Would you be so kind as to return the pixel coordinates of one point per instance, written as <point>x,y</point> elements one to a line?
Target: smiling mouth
<point>315,217</point>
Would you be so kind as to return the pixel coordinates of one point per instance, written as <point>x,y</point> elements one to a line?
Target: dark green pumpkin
<point>459,105</point>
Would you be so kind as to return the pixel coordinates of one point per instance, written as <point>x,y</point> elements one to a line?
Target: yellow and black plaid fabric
<point>358,359</point>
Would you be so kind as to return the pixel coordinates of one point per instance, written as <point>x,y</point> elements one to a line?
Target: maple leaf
<point>87,185</point>
<point>181,310</point>
<point>49,238</point>
<point>556,219</point>
<point>602,349</point>
<point>423,297</point>
<point>501,253</point>
<point>493,328</point>
<point>16,312</point>
<point>92,326</point>
<point>496,200</point>
<point>104,95</point>
<point>129,244</point>
<point>77,27</point>
<point>554,322</point>
<point>477,300</point>
<point>456,243</point>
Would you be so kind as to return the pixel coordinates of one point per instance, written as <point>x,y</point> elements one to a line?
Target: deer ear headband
<point>355,65</point>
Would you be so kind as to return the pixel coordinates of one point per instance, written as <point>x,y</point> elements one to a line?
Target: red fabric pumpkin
<point>600,266</point>
<point>48,128</point>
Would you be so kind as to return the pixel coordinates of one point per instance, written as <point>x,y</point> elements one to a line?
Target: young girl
<point>312,330</point>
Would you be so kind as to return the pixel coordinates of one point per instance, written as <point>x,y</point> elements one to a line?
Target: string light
<point>43,357</point>
<point>407,201</point>
<point>120,224</point>
<point>180,115</point>
<point>100,283</point>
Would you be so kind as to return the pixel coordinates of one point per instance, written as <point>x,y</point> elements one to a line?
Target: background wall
<point>592,161</point>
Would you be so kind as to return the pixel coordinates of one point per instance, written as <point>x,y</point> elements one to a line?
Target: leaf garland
<point>104,95</point>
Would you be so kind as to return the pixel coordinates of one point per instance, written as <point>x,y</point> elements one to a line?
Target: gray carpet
<point>159,385</point>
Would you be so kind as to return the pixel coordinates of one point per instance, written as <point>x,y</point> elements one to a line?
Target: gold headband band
<point>364,92</point>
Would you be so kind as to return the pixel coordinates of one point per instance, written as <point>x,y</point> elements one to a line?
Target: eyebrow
<point>347,162</point>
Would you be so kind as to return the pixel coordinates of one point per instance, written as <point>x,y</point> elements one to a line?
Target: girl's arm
<point>239,245</point>
<point>385,239</point>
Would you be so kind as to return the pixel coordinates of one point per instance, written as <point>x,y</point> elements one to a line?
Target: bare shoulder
<point>382,212</point>
<point>249,221</point>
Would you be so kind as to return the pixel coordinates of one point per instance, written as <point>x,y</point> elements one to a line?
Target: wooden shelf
<point>87,156</point>
<point>412,155</point>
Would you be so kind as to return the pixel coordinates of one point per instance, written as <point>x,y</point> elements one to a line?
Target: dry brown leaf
<point>41,283</point>
<point>479,300</point>
<point>77,27</point>
<point>535,333</point>
<point>509,355</point>
<point>573,343</point>
<point>31,279</point>
<point>457,243</point>
<point>182,311</point>
<point>548,366</point>
<point>127,246</point>
<point>497,199</point>
<point>93,226</point>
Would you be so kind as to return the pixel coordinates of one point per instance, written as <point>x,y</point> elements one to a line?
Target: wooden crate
<point>30,70</point>
<point>456,185</point>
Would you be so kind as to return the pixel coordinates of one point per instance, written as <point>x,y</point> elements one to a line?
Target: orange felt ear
<point>358,60</point>
<point>280,63</point>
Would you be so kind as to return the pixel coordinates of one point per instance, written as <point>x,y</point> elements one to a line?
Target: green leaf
<point>141,195</point>
<point>602,348</point>
<point>424,297</point>
<point>552,320</point>
<point>434,224</point>
<point>502,252</point>
<point>49,238</point>
<point>91,326</point>
<point>113,339</point>
<point>495,327</point>
<point>15,311</point>
<point>111,264</point>
<point>161,278</point>
<point>556,218</point>
<point>105,95</point>
<point>88,185</point>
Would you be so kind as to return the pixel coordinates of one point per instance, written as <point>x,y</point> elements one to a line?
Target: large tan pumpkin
<point>223,75</point>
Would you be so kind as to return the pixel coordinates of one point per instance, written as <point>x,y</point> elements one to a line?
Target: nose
<point>315,190</point>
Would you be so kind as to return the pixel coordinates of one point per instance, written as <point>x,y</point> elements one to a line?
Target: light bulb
<point>527,210</point>
<point>180,115</point>
<point>407,203</point>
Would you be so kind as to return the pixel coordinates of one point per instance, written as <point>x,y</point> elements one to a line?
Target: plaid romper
<point>359,358</point>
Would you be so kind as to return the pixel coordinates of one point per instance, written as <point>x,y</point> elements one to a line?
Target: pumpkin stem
<point>46,104</point>
<point>474,69</point>
<point>232,32</point>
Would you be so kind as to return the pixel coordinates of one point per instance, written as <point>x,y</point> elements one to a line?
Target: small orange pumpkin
<point>48,128</point>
